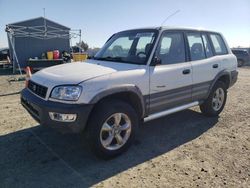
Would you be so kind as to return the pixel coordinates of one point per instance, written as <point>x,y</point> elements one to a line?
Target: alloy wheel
<point>115,131</point>
<point>218,99</point>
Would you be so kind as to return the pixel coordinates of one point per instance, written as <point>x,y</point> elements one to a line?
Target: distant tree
<point>83,45</point>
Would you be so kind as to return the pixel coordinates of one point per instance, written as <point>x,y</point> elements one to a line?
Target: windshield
<point>128,47</point>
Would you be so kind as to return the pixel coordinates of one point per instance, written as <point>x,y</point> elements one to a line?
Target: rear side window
<point>208,49</point>
<point>196,47</point>
<point>218,44</point>
<point>171,48</point>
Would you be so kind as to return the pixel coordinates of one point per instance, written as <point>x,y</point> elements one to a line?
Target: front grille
<point>37,89</point>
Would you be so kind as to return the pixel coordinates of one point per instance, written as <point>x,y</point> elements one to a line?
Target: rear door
<point>224,59</point>
<point>171,80</point>
<point>205,65</point>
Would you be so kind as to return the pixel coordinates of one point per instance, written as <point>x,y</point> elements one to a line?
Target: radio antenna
<point>171,15</point>
<point>44,12</point>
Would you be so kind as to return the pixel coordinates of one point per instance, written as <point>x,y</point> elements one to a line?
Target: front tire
<point>112,127</point>
<point>216,100</point>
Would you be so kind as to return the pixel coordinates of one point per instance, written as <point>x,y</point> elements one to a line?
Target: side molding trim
<point>170,111</point>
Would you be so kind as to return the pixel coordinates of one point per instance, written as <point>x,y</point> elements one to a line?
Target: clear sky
<point>99,19</point>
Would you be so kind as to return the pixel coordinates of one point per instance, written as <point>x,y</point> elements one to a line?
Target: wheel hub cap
<point>218,99</point>
<point>115,131</point>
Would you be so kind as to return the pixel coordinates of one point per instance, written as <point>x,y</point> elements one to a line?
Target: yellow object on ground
<point>49,55</point>
<point>79,56</point>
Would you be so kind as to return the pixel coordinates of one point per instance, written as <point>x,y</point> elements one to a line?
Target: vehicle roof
<point>174,28</point>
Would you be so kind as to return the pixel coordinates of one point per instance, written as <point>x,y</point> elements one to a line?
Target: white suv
<point>139,74</point>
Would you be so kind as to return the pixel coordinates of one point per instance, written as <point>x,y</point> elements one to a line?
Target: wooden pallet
<point>4,64</point>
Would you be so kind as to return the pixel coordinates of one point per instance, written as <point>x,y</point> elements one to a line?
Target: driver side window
<point>171,48</point>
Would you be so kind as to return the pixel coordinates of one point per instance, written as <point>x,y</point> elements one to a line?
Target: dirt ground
<point>185,149</point>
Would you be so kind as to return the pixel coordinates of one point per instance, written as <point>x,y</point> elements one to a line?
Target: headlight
<point>68,93</point>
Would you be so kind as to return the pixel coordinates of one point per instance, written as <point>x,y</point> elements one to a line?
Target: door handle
<point>215,66</point>
<point>186,71</point>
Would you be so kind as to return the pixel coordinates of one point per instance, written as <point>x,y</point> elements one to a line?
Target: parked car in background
<point>243,56</point>
<point>4,53</point>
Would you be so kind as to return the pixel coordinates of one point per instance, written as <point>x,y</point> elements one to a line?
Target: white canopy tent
<point>39,29</point>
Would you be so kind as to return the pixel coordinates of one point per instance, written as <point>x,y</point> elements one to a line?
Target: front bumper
<point>39,109</point>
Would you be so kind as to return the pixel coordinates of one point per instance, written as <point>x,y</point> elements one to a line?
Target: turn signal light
<point>62,117</point>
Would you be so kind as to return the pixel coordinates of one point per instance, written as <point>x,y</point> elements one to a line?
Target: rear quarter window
<point>218,44</point>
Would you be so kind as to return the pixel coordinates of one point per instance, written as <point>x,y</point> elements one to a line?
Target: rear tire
<point>216,100</point>
<point>111,128</point>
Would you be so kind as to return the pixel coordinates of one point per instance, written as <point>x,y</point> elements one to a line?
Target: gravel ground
<point>185,149</point>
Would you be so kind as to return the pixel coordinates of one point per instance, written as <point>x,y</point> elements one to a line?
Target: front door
<point>171,80</point>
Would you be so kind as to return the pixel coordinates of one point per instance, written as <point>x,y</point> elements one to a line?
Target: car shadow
<point>41,157</point>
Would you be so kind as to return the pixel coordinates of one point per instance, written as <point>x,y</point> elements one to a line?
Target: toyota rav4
<point>139,75</point>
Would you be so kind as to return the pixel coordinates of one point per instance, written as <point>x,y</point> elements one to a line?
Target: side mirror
<point>156,61</point>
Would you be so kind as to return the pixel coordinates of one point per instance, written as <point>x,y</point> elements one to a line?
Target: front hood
<point>74,73</point>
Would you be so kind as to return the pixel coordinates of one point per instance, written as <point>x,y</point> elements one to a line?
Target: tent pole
<point>15,59</point>
<point>12,54</point>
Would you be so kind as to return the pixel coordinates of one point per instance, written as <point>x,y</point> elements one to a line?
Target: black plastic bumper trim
<point>39,109</point>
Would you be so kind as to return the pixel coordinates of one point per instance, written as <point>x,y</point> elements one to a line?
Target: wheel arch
<point>223,76</point>
<point>128,93</point>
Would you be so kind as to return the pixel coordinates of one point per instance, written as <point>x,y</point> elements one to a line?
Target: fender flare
<point>125,88</point>
<point>217,77</point>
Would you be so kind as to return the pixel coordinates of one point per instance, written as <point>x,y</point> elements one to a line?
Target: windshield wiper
<point>115,59</point>
<point>109,58</point>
